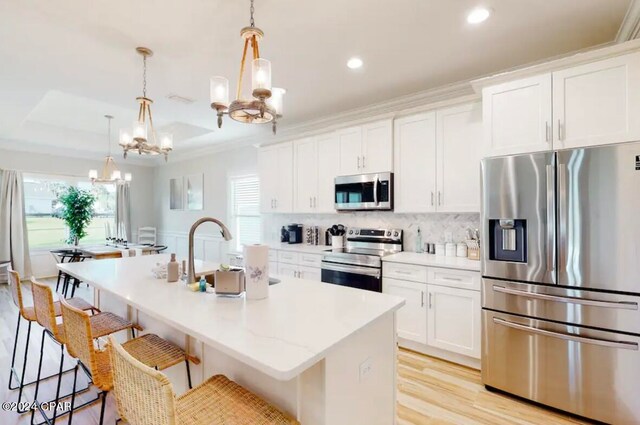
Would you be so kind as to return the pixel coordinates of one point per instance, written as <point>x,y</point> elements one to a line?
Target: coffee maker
<point>295,233</point>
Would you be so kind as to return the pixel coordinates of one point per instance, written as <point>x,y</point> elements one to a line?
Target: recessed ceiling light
<point>477,15</point>
<point>354,63</point>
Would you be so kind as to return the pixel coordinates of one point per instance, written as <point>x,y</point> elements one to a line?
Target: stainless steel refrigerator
<point>561,279</point>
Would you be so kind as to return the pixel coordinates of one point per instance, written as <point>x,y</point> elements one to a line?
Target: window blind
<point>245,210</point>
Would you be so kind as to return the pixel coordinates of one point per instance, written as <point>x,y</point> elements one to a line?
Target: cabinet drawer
<point>405,272</point>
<point>273,255</point>
<point>288,257</point>
<point>311,260</point>
<point>463,279</point>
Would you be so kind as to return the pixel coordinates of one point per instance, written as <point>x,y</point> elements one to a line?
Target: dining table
<point>101,252</point>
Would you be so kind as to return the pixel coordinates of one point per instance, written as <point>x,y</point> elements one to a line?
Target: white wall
<point>173,226</point>
<point>141,196</point>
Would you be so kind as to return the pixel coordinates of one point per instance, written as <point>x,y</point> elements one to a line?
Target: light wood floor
<point>430,391</point>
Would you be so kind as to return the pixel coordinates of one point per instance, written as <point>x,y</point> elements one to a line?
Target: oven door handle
<point>627,345</point>
<point>368,271</point>
<point>375,190</point>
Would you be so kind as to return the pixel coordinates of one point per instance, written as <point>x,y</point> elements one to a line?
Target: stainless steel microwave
<point>364,192</point>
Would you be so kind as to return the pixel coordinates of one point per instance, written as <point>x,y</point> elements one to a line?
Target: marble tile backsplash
<point>434,227</point>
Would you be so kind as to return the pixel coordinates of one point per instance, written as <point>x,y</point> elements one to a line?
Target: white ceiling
<point>66,63</point>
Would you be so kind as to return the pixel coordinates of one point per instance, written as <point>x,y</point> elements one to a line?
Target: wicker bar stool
<point>102,324</point>
<point>145,396</point>
<point>150,349</point>
<point>28,313</point>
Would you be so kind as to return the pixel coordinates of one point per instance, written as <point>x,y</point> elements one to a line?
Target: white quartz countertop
<point>460,263</point>
<point>281,336</point>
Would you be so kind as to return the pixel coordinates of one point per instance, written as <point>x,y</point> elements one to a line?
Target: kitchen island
<point>324,353</point>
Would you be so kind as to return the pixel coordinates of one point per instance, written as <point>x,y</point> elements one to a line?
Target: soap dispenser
<point>419,247</point>
<point>172,269</point>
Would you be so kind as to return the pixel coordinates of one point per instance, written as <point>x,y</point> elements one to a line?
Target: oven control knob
<point>389,233</point>
<point>395,234</point>
<point>357,232</point>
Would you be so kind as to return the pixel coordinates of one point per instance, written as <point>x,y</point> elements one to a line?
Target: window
<point>245,220</point>
<point>40,198</point>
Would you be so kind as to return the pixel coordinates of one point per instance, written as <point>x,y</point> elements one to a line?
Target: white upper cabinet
<point>415,163</point>
<point>306,175</point>
<point>275,167</point>
<point>268,172</point>
<point>377,147</point>
<point>459,149</point>
<point>367,148</point>
<point>328,164</point>
<point>597,103</point>
<point>517,116</point>
<point>350,142</point>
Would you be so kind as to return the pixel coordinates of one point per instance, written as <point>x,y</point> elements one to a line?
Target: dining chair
<point>148,349</point>
<point>28,314</point>
<point>145,396</point>
<point>102,324</point>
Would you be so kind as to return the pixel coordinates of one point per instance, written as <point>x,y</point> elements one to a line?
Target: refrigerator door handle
<point>627,345</point>
<point>562,218</point>
<point>624,305</point>
<point>551,221</point>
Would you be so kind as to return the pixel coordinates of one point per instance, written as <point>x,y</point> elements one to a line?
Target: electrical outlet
<point>365,369</point>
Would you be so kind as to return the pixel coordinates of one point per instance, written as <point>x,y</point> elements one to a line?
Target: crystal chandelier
<point>142,136</point>
<point>110,172</point>
<point>266,105</point>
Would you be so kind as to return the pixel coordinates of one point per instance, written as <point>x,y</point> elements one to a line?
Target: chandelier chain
<point>144,76</point>
<point>109,134</point>
<point>252,9</point>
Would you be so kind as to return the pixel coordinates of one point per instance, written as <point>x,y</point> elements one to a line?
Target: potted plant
<point>76,211</point>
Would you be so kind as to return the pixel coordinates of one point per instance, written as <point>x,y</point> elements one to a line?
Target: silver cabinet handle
<point>455,279</point>
<point>310,202</point>
<point>439,198</point>
<point>560,130</point>
<point>431,198</point>
<point>627,345</point>
<point>430,299</point>
<point>421,298</point>
<point>315,202</point>
<point>363,166</point>
<point>273,203</point>
<point>358,162</point>
<point>547,131</point>
<point>624,305</point>
<point>403,272</point>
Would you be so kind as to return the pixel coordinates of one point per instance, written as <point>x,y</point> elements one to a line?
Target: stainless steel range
<point>561,279</point>
<point>359,264</point>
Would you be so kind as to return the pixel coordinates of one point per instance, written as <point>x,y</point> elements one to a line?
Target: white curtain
<point>123,210</point>
<point>14,240</point>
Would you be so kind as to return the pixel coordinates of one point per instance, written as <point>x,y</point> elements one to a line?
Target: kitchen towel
<point>256,263</point>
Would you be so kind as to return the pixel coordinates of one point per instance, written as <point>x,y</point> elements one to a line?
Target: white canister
<point>440,249</point>
<point>337,242</point>
<point>461,250</point>
<point>450,249</point>
<point>256,262</point>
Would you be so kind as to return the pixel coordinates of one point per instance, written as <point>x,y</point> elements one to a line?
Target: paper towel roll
<point>256,263</point>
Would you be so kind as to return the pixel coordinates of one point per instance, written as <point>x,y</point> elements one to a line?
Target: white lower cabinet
<point>303,265</point>
<point>441,316</point>
<point>453,320</point>
<point>411,318</point>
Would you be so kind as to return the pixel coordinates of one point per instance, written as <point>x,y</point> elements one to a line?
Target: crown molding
<point>416,102</point>
<point>591,54</point>
<point>37,148</point>
<point>630,27</point>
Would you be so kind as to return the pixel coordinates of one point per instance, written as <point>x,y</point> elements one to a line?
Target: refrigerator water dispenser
<point>508,240</point>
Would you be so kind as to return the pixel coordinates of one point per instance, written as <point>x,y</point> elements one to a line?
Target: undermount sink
<point>273,281</point>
